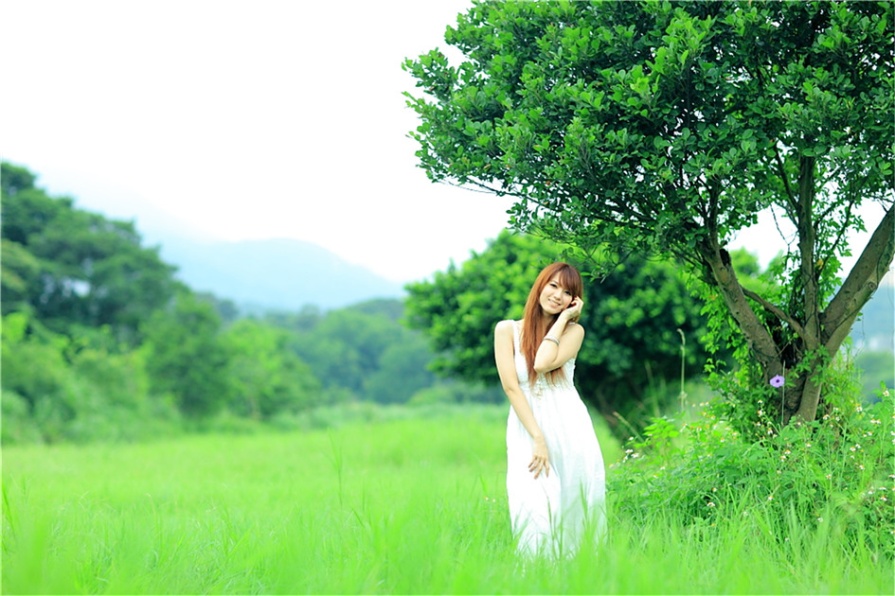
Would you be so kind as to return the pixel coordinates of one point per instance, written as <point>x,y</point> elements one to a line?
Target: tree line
<point>101,340</point>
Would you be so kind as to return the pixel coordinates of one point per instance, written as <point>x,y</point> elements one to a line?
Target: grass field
<point>402,506</point>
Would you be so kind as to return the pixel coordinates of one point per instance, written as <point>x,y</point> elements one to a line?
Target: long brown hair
<point>535,325</point>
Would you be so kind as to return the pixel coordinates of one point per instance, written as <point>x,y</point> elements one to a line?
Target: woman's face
<point>555,298</point>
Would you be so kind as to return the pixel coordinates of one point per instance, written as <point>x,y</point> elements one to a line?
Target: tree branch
<point>861,283</point>
<point>781,168</point>
<point>777,312</point>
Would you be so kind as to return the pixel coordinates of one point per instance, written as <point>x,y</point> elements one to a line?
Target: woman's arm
<point>568,339</point>
<point>504,356</point>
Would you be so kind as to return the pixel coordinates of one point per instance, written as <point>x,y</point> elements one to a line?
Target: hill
<point>277,274</point>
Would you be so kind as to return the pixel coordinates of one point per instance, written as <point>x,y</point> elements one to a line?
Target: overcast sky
<point>243,120</point>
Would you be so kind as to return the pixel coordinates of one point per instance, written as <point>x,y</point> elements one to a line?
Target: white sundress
<point>554,514</point>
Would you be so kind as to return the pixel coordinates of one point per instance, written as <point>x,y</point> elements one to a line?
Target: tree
<point>402,370</point>
<point>186,357</point>
<point>667,127</point>
<point>76,269</point>
<point>635,319</point>
<point>265,377</point>
<point>361,351</point>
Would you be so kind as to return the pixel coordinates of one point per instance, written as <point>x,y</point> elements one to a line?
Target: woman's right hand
<point>540,458</point>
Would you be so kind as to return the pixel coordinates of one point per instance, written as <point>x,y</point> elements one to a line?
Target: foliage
<point>101,343</point>
<point>56,389</point>
<point>667,127</point>
<point>635,318</point>
<point>186,357</point>
<point>73,268</point>
<point>265,378</point>
<point>362,351</point>
<point>834,472</point>
<point>876,368</point>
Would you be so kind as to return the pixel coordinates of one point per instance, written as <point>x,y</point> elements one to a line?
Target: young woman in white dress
<point>555,476</point>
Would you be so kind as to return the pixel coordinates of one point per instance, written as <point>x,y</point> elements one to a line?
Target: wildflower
<point>820,520</point>
<point>761,412</point>
<point>710,504</point>
<point>714,489</point>
<point>874,421</point>
<point>883,498</point>
<point>859,409</point>
<point>808,445</point>
<point>787,452</point>
<point>777,381</point>
<point>860,466</point>
<point>829,476</point>
<point>770,497</point>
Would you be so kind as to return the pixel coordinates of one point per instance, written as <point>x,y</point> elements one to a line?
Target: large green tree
<point>636,317</point>
<point>669,126</point>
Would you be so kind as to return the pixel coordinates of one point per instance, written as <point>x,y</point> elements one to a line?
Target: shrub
<point>838,469</point>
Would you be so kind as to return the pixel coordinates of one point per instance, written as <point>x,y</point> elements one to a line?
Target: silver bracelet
<point>553,339</point>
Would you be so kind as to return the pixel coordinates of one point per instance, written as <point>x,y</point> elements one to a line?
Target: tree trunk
<point>831,328</point>
<point>757,336</point>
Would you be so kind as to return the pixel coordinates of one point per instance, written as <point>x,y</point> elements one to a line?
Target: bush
<point>834,470</point>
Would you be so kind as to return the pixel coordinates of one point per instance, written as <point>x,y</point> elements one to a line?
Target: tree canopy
<point>73,267</point>
<point>667,127</point>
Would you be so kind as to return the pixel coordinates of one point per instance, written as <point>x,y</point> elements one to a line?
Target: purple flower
<point>777,381</point>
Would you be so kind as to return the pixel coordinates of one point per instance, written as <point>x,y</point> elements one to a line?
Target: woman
<point>555,476</point>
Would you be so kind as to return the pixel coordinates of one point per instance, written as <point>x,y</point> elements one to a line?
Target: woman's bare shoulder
<point>504,327</point>
<point>575,328</point>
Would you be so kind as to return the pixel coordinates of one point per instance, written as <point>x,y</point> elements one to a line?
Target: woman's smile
<point>554,297</point>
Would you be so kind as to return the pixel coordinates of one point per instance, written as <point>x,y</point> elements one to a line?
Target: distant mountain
<point>281,274</point>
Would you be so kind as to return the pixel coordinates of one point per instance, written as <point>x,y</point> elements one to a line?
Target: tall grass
<point>397,506</point>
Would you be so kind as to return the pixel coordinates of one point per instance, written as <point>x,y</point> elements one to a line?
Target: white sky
<point>238,120</point>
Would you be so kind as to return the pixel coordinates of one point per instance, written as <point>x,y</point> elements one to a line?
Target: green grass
<point>398,506</point>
